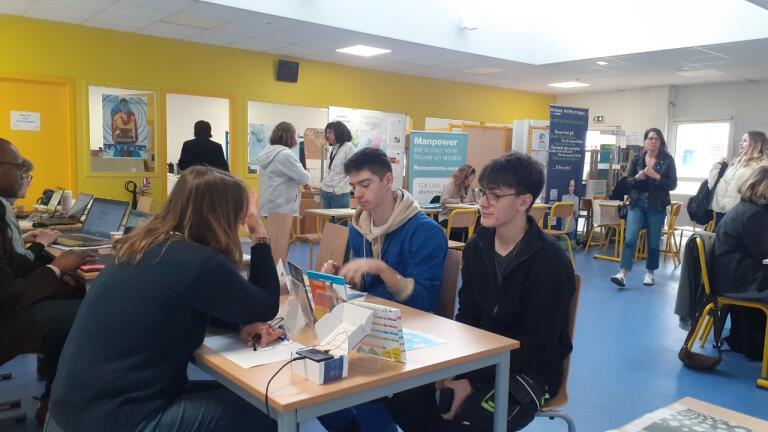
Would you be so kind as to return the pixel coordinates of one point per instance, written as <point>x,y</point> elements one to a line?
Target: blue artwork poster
<point>567,138</point>
<point>125,129</point>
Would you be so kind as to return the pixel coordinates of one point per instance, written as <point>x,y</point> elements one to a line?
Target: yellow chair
<point>671,246</point>
<point>551,407</point>
<point>563,210</point>
<point>606,219</point>
<point>705,323</point>
<point>461,218</point>
<point>538,212</point>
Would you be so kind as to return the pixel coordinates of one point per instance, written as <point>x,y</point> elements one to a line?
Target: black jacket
<point>532,304</point>
<point>125,359</point>
<point>202,151</point>
<point>658,191</point>
<point>741,245</point>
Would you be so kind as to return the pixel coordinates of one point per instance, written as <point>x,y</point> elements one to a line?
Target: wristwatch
<point>260,240</point>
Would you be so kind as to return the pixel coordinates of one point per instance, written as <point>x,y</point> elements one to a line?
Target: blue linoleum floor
<point>624,362</point>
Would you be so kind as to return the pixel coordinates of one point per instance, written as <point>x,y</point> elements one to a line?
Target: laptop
<point>54,201</point>
<point>305,300</point>
<point>72,217</point>
<point>106,216</point>
<point>135,220</point>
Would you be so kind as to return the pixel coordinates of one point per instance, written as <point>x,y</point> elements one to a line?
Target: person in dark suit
<point>202,150</point>
<point>38,302</point>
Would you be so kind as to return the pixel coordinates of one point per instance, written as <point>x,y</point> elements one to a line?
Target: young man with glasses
<point>37,302</point>
<point>516,282</point>
<point>398,254</point>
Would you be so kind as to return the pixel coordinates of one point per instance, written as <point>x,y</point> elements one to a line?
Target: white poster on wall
<point>25,121</point>
<point>385,131</point>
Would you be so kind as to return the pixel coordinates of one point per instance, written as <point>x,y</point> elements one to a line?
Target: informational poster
<point>432,159</point>
<point>385,131</point>
<point>25,121</point>
<point>125,128</point>
<point>567,138</point>
<point>386,339</point>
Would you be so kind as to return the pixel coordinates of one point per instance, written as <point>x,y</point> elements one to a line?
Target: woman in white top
<point>753,152</point>
<point>280,173</point>
<point>334,190</point>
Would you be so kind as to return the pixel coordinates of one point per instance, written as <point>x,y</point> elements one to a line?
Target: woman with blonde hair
<point>753,152</point>
<point>741,243</point>
<point>280,173</point>
<point>457,190</point>
<point>124,365</point>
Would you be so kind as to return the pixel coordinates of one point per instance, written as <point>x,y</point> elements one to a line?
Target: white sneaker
<point>648,279</point>
<point>619,280</point>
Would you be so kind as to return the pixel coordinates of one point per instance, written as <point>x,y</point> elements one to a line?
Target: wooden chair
<point>671,246</point>
<point>606,219</point>
<point>446,305</point>
<point>144,204</point>
<point>333,245</point>
<point>551,407</point>
<point>461,218</point>
<point>564,211</point>
<point>538,212</point>
<point>306,227</point>
<point>705,323</point>
<point>279,232</point>
<point>588,203</point>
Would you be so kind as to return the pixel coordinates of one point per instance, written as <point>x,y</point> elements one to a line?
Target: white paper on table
<point>66,248</point>
<point>231,347</point>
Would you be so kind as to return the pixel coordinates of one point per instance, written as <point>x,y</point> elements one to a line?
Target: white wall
<point>631,110</point>
<point>182,111</point>
<point>745,102</point>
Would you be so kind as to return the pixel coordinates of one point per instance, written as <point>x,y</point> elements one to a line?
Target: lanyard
<point>333,155</point>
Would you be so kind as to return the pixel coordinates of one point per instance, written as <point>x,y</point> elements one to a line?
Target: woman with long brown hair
<point>456,191</point>
<point>124,364</point>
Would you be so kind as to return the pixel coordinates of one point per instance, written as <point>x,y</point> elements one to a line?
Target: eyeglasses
<point>492,198</point>
<point>26,177</point>
<point>18,166</point>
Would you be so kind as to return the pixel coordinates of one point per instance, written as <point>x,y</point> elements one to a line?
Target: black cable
<point>266,392</point>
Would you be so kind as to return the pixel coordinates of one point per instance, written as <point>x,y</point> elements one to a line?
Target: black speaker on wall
<point>287,71</point>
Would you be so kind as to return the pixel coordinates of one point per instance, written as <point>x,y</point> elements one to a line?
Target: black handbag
<point>698,205</point>
<point>623,210</point>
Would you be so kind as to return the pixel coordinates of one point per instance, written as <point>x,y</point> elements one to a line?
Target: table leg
<point>286,422</point>
<point>500,404</point>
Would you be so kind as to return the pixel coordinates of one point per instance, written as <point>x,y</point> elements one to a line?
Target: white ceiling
<point>201,22</point>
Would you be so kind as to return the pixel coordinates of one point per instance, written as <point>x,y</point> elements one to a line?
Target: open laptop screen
<point>55,198</point>
<point>105,216</point>
<point>78,208</point>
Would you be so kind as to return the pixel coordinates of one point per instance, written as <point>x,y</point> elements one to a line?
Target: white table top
<point>339,212</point>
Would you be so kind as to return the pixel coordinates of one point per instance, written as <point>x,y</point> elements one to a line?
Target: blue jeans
<point>331,200</point>
<point>371,416</point>
<point>638,218</point>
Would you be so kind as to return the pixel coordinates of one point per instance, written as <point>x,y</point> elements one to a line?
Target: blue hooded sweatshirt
<point>412,244</point>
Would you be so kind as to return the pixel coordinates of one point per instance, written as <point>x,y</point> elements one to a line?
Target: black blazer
<point>658,190</point>
<point>202,151</point>
<point>741,245</point>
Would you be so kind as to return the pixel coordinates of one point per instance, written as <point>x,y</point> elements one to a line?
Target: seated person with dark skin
<point>517,282</point>
<point>38,302</point>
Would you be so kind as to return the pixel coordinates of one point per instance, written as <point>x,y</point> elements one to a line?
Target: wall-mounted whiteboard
<point>376,129</point>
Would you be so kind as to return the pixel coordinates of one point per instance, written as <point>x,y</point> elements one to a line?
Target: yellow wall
<point>91,56</point>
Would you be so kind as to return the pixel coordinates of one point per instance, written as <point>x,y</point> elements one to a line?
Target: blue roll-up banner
<point>567,137</point>
<point>432,159</point>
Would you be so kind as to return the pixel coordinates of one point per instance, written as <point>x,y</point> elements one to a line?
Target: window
<point>698,145</point>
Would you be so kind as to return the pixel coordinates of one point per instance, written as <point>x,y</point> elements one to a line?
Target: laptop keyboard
<point>83,238</point>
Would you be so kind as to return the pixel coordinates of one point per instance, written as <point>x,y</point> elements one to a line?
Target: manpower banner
<point>432,158</point>
<point>567,137</point>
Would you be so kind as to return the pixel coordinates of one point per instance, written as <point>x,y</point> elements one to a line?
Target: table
<point>293,399</point>
<point>736,418</point>
<point>26,226</point>
<point>462,206</point>
<point>327,214</point>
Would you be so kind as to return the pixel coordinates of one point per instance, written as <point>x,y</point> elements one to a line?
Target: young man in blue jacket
<point>398,254</point>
